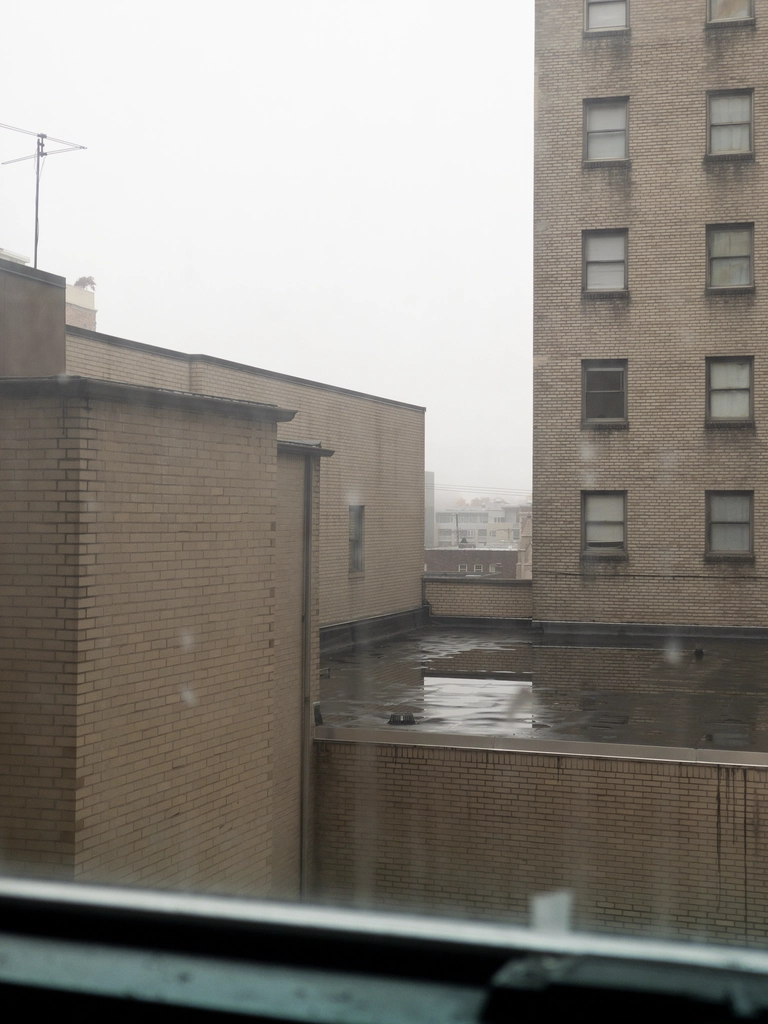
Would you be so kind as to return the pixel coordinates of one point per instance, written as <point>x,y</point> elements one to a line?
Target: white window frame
<point>714,230</point>
<point>589,260</point>
<point>750,389</point>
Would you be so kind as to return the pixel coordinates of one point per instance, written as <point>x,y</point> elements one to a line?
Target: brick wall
<point>649,849</point>
<point>665,197</point>
<point>39,592</point>
<point>478,598</point>
<point>138,624</point>
<point>379,463</point>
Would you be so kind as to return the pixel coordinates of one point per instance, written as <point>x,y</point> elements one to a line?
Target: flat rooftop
<point>669,699</point>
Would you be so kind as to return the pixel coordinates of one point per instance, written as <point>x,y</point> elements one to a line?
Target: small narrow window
<point>356,516</point>
<point>605,130</point>
<point>730,123</point>
<point>729,256</point>
<point>729,522</point>
<point>606,14</point>
<point>605,261</point>
<point>729,389</point>
<point>604,391</point>
<point>730,10</point>
<point>604,522</point>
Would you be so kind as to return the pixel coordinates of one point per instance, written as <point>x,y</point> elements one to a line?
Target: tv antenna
<point>39,156</point>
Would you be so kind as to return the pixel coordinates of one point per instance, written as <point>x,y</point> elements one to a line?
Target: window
<point>604,391</point>
<point>729,523</point>
<point>603,519</point>
<point>462,566</point>
<point>730,10</point>
<point>605,129</point>
<point>729,389</point>
<point>606,14</point>
<point>605,261</point>
<point>492,568</point>
<point>356,516</point>
<point>729,256</point>
<point>730,123</point>
<point>478,568</point>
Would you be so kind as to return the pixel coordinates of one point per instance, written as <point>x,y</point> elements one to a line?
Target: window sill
<point>747,289</point>
<point>747,557</point>
<point>619,293</point>
<point>605,33</point>
<point>622,165</point>
<point>604,425</point>
<point>736,23</point>
<point>728,158</point>
<point>746,424</point>
<point>604,556</point>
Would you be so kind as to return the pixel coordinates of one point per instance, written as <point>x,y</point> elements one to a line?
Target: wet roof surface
<point>705,694</point>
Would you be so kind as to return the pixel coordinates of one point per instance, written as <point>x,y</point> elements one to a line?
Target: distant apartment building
<point>650,311</point>
<point>495,525</point>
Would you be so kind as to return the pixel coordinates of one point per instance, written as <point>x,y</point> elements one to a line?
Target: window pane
<point>730,109</point>
<point>730,242</point>
<point>605,406</point>
<point>720,10</point>
<point>729,405</point>
<point>607,15</point>
<point>607,146</point>
<point>729,508</point>
<point>605,534</point>
<point>607,247</point>
<point>605,507</point>
<point>605,276</point>
<point>604,117</point>
<point>730,538</point>
<point>729,374</point>
<point>732,138</point>
<point>730,272</point>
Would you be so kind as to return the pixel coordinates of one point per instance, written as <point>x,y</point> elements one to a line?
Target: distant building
<point>429,509</point>
<point>471,561</point>
<point>495,525</point>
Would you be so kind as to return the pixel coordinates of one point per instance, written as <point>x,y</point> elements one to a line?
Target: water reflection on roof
<point>679,692</point>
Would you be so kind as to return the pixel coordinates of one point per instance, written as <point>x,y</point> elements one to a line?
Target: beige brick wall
<point>470,598</point>
<point>39,593</point>
<point>176,675</point>
<point>379,463</point>
<point>649,849</point>
<point>665,329</point>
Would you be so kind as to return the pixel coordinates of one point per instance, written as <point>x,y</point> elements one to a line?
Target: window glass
<point>730,522</point>
<point>730,388</point>
<point>730,123</point>
<point>604,520</point>
<point>729,10</point>
<point>604,391</point>
<point>730,257</point>
<point>606,14</point>
<point>605,256</point>
<point>356,513</point>
<point>606,125</point>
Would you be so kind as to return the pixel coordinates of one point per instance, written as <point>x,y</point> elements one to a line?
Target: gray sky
<point>337,189</point>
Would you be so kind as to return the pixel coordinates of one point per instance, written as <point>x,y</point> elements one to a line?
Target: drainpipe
<point>305,853</point>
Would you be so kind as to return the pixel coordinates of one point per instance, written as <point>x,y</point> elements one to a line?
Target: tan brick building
<point>373,485</point>
<point>159,599</point>
<point>651,255</point>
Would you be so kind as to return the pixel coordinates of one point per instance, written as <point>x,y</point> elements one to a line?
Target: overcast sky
<point>336,189</point>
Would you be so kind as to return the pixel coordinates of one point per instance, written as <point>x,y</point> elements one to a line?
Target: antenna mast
<point>39,156</point>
